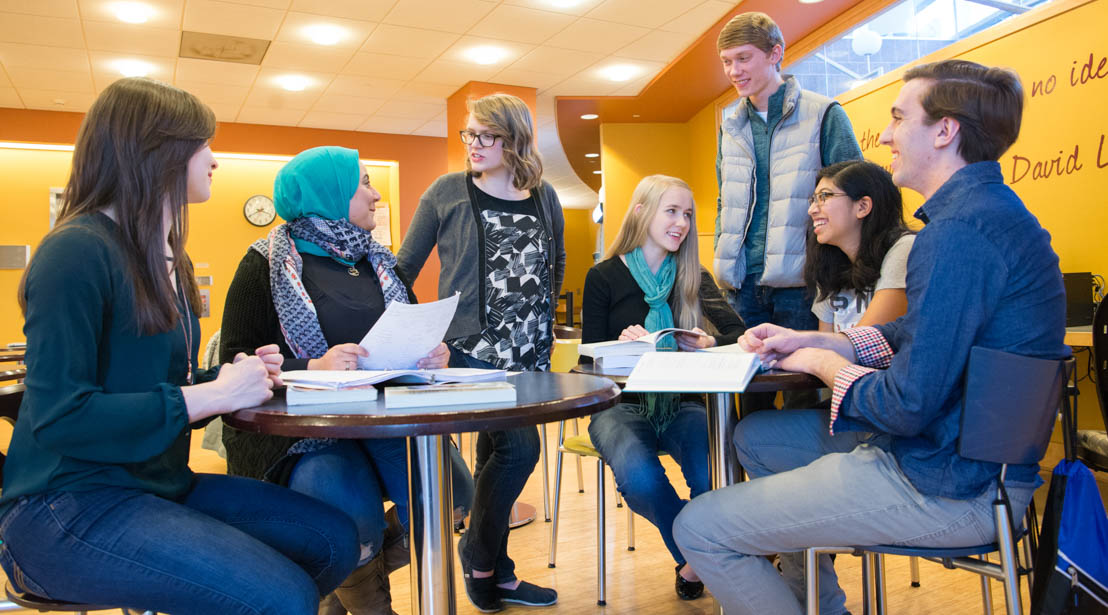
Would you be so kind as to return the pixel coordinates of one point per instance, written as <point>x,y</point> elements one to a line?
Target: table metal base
<point>431,525</point>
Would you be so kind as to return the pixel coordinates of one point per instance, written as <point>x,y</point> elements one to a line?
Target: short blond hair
<point>757,29</point>
<point>510,118</point>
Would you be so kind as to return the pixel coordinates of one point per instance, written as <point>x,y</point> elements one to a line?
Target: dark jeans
<point>788,307</point>
<point>358,475</point>
<point>505,459</point>
<point>231,545</point>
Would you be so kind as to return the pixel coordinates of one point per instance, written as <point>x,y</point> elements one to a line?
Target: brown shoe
<point>396,552</point>
<point>366,591</point>
<point>330,605</point>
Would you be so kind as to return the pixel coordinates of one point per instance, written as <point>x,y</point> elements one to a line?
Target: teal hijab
<point>658,408</point>
<point>317,182</point>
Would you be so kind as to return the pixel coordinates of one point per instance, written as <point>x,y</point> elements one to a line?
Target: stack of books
<point>621,356</point>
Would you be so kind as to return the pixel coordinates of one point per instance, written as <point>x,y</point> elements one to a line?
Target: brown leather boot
<point>366,591</point>
<point>330,605</point>
<point>397,551</point>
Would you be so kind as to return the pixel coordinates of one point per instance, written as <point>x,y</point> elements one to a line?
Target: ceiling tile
<point>44,79</point>
<point>351,105</point>
<point>224,112</point>
<point>390,125</point>
<point>366,87</point>
<point>211,71</point>
<point>383,65</point>
<point>557,6</point>
<point>9,98</point>
<point>645,13</point>
<point>657,46</point>
<point>65,9</point>
<point>105,72</point>
<point>52,100</point>
<point>213,94</point>
<point>292,30</point>
<point>517,23</point>
<point>597,36</point>
<point>14,55</point>
<point>584,84</point>
<point>411,110</point>
<point>425,92</point>
<point>554,61</point>
<point>128,38</point>
<point>366,10</point>
<point>4,81</point>
<point>313,58</point>
<point>434,128</point>
<point>456,74</point>
<point>512,51</point>
<point>699,18</point>
<point>446,15</point>
<point>166,13</point>
<point>526,78</point>
<point>271,4</point>
<point>265,115</point>
<point>229,19</point>
<point>411,42</point>
<point>33,30</point>
<point>332,121</point>
<point>267,93</point>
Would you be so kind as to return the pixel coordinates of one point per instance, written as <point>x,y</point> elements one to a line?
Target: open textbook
<point>723,370</point>
<point>339,379</point>
<point>642,345</point>
<point>406,333</point>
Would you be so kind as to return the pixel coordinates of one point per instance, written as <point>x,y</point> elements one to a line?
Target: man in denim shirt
<point>882,466</point>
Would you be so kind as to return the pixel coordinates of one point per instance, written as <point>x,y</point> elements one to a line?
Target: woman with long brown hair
<point>99,505</point>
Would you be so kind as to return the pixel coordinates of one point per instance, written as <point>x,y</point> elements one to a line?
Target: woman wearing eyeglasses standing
<point>858,247</point>
<point>498,228</point>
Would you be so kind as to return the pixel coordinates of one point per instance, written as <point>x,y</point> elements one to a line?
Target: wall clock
<point>259,210</point>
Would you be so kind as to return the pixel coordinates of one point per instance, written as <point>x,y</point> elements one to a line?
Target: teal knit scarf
<point>658,408</point>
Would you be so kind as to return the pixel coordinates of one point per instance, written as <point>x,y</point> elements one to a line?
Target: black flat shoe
<point>686,589</point>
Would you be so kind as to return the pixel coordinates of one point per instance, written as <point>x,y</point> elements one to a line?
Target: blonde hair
<point>757,29</point>
<point>632,234</point>
<point>509,118</point>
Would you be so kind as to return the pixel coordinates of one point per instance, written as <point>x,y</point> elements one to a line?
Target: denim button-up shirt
<point>981,273</point>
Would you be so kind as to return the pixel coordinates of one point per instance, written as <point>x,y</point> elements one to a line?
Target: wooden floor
<point>641,581</point>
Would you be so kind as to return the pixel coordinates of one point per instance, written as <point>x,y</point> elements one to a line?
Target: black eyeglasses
<point>823,196</point>
<point>486,139</point>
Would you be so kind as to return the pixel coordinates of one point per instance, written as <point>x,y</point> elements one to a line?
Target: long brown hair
<point>510,118</point>
<point>685,297</point>
<point>132,155</point>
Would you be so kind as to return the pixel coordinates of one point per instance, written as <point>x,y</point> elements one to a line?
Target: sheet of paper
<point>405,333</point>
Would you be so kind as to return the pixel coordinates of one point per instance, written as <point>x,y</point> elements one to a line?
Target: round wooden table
<point>540,398</point>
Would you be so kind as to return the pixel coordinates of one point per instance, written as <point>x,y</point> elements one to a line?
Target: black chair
<point>11,397</point>
<point>1011,402</point>
<point>1091,445</point>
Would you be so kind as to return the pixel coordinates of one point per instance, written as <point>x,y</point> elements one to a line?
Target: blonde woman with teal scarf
<point>651,279</point>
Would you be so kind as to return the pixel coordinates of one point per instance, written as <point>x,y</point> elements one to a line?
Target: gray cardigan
<point>449,217</point>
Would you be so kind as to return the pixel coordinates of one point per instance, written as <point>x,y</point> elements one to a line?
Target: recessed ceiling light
<point>293,83</point>
<point>589,116</point>
<point>132,12</point>
<point>324,34</point>
<point>592,155</point>
<point>563,4</point>
<point>620,72</point>
<point>486,54</point>
<point>596,172</point>
<point>133,68</point>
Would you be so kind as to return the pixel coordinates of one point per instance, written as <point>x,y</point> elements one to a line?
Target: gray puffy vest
<point>794,161</point>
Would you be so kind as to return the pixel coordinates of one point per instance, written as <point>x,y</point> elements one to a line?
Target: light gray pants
<point>809,488</point>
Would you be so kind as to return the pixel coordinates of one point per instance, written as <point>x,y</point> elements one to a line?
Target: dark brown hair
<point>132,155</point>
<point>986,101</point>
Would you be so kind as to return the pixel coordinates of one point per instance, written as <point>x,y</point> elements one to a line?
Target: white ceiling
<point>400,60</point>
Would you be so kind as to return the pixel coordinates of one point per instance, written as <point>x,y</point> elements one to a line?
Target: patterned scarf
<point>342,241</point>
<point>658,408</point>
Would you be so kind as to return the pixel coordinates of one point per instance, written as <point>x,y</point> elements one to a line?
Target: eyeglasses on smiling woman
<point>486,139</point>
<point>821,196</point>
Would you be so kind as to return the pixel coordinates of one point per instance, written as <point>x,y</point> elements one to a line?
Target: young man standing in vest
<point>770,150</point>
<point>882,465</point>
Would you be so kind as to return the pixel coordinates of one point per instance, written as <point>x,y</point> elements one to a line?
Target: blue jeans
<point>810,488</point>
<point>357,476</point>
<point>630,446</point>
<point>505,460</point>
<point>788,307</point>
<point>230,545</point>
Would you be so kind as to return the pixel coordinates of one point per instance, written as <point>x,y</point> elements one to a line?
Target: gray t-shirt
<point>845,308</point>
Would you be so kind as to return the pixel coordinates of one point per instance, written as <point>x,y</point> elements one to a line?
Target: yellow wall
<point>218,238</point>
<point>580,241</point>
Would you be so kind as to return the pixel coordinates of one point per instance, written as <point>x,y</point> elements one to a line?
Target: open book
<point>642,345</point>
<point>693,372</point>
<point>337,379</point>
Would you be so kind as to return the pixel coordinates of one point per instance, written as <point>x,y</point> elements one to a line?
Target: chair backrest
<point>1100,357</point>
<point>1011,402</point>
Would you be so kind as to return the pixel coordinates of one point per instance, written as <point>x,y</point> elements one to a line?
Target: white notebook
<point>693,372</point>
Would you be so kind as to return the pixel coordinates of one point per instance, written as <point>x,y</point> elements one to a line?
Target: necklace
<point>186,328</point>
<point>352,270</point>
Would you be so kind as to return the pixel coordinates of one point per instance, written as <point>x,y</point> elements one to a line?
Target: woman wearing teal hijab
<point>314,286</point>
